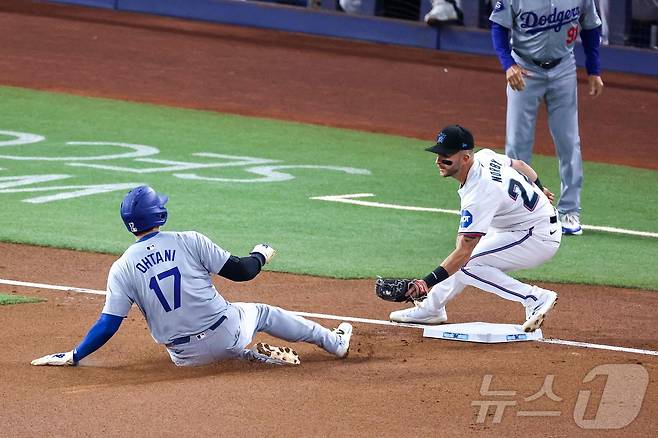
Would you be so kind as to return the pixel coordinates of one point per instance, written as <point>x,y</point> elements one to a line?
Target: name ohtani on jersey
<point>155,258</point>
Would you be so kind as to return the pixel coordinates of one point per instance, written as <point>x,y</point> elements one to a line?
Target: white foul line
<point>350,199</point>
<point>346,318</point>
<point>52,287</point>
<point>599,346</point>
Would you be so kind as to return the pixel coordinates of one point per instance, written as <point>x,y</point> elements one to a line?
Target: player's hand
<point>550,195</point>
<point>595,85</point>
<point>417,289</point>
<point>515,75</point>
<point>57,359</point>
<point>265,250</point>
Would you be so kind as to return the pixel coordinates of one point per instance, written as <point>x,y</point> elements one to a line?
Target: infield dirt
<point>394,383</point>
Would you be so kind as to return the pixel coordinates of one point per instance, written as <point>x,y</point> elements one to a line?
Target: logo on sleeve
<point>466,219</point>
<point>499,6</point>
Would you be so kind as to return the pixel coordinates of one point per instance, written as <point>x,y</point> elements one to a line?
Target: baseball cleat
<point>419,315</point>
<point>275,355</point>
<point>344,332</point>
<point>571,224</point>
<point>535,314</point>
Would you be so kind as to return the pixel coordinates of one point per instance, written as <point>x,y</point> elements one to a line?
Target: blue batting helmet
<point>143,208</point>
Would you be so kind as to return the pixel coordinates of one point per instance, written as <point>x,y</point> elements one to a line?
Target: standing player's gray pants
<point>558,88</point>
<point>243,321</point>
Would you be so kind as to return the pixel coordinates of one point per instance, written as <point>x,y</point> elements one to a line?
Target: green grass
<point>17,299</point>
<point>312,237</point>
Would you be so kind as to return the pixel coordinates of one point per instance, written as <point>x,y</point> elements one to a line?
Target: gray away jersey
<point>168,276</point>
<point>545,29</point>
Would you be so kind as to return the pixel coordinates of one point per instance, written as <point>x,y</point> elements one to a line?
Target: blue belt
<point>186,339</point>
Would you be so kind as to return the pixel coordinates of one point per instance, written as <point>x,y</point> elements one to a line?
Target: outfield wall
<point>326,22</point>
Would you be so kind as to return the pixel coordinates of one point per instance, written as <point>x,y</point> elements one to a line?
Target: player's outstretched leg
<point>286,325</point>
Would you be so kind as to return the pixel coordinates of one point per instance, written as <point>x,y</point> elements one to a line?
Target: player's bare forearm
<point>458,258</point>
<point>452,263</point>
<point>525,169</point>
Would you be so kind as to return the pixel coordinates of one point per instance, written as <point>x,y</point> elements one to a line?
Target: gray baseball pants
<point>243,321</point>
<point>557,87</point>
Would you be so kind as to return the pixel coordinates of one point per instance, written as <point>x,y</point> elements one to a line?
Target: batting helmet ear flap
<point>143,208</point>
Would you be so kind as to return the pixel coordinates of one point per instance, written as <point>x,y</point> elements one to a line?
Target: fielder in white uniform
<point>507,223</point>
<point>168,276</point>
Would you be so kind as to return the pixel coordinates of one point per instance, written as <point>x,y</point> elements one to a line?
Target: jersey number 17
<point>155,286</point>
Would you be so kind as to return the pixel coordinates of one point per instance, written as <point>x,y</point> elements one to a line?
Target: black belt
<point>186,339</point>
<point>553,219</point>
<point>546,65</point>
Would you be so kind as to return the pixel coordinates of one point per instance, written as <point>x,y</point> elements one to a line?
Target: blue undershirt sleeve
<point>591,39</point>
<point>106,326</point>
<point>500,39</point>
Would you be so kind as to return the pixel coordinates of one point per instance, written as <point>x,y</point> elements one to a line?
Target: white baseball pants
<point>496,254</point>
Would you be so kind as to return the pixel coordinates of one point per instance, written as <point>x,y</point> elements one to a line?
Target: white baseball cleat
<point>571,224</point>
<point>274,355</point>
<point>536,312</point>
<point>419,315</point>
<point>344,332</point>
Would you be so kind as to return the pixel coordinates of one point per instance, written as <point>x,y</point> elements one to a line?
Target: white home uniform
<point>167,274</point>
<point>519,230</point>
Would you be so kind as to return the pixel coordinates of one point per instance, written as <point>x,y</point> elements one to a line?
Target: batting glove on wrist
<point>265,250</point>
<point>57,359</point>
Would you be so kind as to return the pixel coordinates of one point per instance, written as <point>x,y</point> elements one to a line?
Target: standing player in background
<point>167,274</point>
<point>540,66</point>
<point>507,223</point>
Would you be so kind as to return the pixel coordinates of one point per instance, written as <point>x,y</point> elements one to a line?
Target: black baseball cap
<point>452,139</point>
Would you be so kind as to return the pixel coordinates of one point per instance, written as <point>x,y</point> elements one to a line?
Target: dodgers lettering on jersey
<point>533,23</point>
<point>168,276</point>
<point>497,197</point>
<point>545,30</point>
